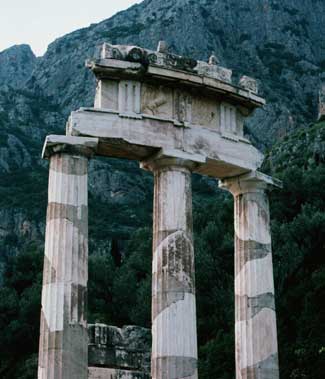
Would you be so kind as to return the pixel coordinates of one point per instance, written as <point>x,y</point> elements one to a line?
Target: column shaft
<point>174,346</point>
<point>255,328</point>
<point>63,351</point>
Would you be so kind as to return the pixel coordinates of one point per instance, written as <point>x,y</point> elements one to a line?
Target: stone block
<point>126,348</point>
<point>157,100</point>
<point>70,145</point>
<point>249,83</point>
<point>135,138</point>
<point>113,373</point>
<point>107,94</point>
<point>214,71</point>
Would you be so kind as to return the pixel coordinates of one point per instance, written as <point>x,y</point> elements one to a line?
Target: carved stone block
<point>214,71</point>
<point>126,348</point>
<point>228,119</point>
<point>129,96</point>
<point>249,84</point>
<point>205,112</point>
<point>182,107</point>
<point>157,101</point>
<point>107,94</point>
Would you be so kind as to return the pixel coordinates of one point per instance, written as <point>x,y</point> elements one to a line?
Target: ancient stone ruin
<point>176,116</point>
<point>118,353</point>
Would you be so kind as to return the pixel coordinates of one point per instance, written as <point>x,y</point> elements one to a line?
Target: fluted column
<point>174,345</point>
<point>63,350</point>
<point>255,317</point>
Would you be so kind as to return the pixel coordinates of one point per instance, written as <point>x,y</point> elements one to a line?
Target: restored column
<point>255,327</point>
<point>63,350</point>
<point>174,345</point>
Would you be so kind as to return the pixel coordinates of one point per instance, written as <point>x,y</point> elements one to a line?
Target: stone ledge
<point>112,373</point>
<point>134,57</point>
<point>250,182</point>
<point>173,157</point>
<point>122,349</point>
<point>56,144</point>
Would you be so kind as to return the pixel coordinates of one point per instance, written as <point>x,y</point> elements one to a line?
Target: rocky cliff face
<point>16,65</point>
<point>278,42</point>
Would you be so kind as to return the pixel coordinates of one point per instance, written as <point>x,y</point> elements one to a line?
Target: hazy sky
<point>39,22</point>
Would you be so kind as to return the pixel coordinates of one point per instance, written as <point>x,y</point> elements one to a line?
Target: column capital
<point>253,181</point>
<point>172,159</point>
<point>56,144</point>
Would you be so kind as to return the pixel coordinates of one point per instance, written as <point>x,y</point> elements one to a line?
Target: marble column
<point>174,345</point>
<point>255,317</point>
<point>63,350</point>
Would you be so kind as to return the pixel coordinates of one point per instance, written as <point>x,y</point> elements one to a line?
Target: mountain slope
<point>16,65</point>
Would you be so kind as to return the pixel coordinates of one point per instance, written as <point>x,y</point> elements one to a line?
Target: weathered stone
<point>114,373</point>
<point>251,250</point>
<point>107,95</point>
<point>157,100</point>
<point>63,335</point>
<point>70,145</point>
<point>165,59</point>
<point>214,71</point>
<point>139,55</point>
<point>139,138</point>
<point>266,369</point>
<point>249,83</point>
<point>174,70</point>
<point>143,107</point>
<point>255,318</point>
<point>248,307</point>
<point>213,60</point>
<point>176,367</point>
<point>120,352</point>
<point>174,345</point>
<point>162,47</point>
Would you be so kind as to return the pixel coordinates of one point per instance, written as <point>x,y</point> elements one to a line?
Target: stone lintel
<point>140,137</point>
<point>107,373</point>
<point>253,181</point>
<point>167,158</point>
<point>55,144</point>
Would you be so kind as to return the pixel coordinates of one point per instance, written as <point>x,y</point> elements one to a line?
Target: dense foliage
<point>120,275</point>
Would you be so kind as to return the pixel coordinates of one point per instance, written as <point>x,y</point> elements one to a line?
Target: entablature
<point>136,81</point>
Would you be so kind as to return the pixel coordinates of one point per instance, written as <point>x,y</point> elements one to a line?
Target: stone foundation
<point>115,353</point>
